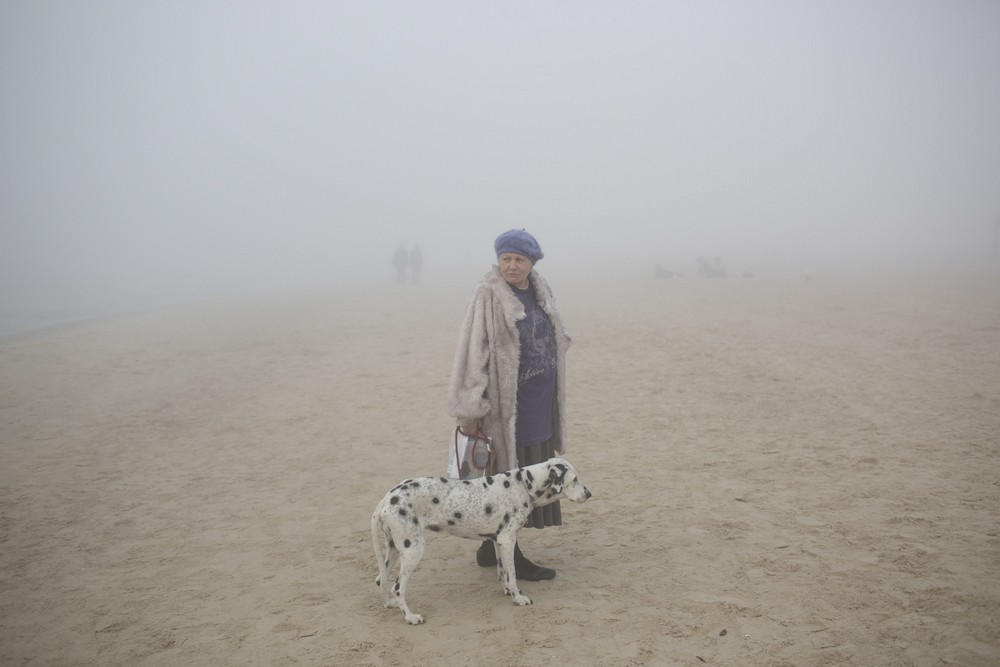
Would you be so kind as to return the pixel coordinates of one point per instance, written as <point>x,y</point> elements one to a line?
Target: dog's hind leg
<point>386,560</point>
<point>409,559</point>
<point>505,569</point>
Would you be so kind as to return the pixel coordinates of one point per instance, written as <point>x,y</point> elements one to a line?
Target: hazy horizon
<point>180,145</point>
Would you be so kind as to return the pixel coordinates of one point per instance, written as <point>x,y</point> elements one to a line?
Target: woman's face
<point>515,268</point>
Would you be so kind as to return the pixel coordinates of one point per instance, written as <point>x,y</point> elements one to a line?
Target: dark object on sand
<point>660,272</point>
<point>713,269</point>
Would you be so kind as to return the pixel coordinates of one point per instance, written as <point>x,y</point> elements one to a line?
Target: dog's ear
<point>557,476</point>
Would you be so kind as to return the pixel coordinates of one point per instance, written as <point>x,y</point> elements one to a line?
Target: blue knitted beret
<point>520,242</point>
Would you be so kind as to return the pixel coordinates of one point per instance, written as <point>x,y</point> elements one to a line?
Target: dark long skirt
<point>550,515</point>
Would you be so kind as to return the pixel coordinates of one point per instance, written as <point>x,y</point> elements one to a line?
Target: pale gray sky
<point>237,142</point>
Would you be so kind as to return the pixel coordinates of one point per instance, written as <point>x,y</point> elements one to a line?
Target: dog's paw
<point>414,619</point>
<point>522,600</point>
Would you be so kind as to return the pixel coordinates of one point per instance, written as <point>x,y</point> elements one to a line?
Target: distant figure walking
<point>416,262</point>
<point>399,262</point>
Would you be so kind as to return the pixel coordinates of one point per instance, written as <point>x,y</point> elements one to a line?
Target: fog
<point>167,146</point>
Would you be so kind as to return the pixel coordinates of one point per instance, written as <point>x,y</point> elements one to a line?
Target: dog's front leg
<point>506,572</point>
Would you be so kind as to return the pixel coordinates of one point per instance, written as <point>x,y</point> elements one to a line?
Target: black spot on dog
<point>518,475</point>
<point>406,544</point>
<point>450,522</point>
<point>457,515</point>
<point>435,500</point>
<point>434,528</point>
<point>402,512</point>
<point>396,587</point>
<point>416,521</point>
<point>529,476</point>
<point>393,500</point>
<point>465,481</point>
<point>506,484</point>
<point>488,509</point>
<point>506,518</point>
<point>392,545</point>
<point>489,480</point>
<point>443,479</point>
<point>539,493</point>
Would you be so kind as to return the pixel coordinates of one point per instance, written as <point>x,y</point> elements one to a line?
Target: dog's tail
<point>379,538</point>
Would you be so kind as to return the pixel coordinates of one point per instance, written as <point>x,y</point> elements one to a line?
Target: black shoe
<point>486,555</point>
<point>525,569</point>
<point>534,573</point>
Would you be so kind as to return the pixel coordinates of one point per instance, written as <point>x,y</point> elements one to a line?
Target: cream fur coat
<point>483,382</point>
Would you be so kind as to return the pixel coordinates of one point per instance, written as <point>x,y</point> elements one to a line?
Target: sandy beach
<point>785,472</point>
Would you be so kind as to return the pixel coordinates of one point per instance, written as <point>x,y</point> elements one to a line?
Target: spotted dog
<point>492,508</point>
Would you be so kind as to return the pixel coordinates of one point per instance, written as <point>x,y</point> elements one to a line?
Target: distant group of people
<point>713,268</point>
<point>403,260</point>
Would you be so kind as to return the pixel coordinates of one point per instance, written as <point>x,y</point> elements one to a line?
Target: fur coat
<point>483,383</point>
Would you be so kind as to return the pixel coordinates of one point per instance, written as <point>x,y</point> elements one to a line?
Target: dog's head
<point>563,482</point>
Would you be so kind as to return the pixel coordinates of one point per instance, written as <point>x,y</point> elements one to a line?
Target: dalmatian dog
<point>490,508</point>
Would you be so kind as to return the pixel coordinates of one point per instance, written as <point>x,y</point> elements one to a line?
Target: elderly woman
<point>509,374</point>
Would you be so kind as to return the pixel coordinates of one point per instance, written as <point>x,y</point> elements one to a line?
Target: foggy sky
<point>185,143</point>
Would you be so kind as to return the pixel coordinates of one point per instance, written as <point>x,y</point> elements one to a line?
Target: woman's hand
<point>469,429</point>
